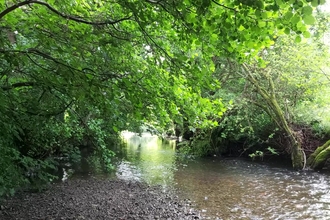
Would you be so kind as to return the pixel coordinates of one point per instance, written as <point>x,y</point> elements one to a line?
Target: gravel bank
<point>97,199</point>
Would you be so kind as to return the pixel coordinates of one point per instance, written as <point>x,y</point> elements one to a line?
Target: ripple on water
<point>127,171</point>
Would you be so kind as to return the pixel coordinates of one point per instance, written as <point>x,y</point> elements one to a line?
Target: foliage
<point>297,76</point>
<point>10,174</point>
<point>261,154</point>
<point>257,154</point>
<point>73,73</point>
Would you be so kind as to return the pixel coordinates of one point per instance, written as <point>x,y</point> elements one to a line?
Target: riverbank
<point>95,198</point>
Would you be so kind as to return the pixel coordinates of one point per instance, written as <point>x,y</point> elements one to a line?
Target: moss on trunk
<point>297,157</point>
<point>320,156</point>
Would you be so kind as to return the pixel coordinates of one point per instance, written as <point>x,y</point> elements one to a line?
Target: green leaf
<point>214,37</point>
<point>287,31</point>
<point>191,18</point>
<point>261,24</point>
<point>279,2</point>
<point>115,128</point>
<point>315,3</point>
<point>264,15</point>
<point>309,19</point>
<point>272,150</point>
<point>288,15</point>
<point>307,10</point>
<point>89,76</point>
<point>295,19</point>
<point>297,39</point>
<point>306,34</point>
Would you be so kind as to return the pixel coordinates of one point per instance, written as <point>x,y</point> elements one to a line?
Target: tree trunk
<point>297,157</point>
<point>273,109</point>
<point>320,156</point>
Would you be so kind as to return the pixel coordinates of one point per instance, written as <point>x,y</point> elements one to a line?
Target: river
<point>226,188</point>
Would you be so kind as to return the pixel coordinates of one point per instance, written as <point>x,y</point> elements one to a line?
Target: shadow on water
<point>226,188</point>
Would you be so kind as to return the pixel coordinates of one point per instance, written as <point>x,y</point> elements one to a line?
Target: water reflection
<point>228,189</point>
<point>147,157</point>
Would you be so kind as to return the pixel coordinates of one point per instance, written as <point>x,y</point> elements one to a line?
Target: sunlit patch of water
<point>127,171</point>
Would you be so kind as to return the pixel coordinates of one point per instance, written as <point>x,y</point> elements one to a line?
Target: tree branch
<point>69,17</point>
<point>41,54</point>
<point>49,114</point>
<point>16,85</point>
<point>154,2</point>
<point>217,3</point>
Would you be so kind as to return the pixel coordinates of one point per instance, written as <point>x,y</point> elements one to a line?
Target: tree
<point>123,63</point>
<point>273,109</point>
<point>292,77</point>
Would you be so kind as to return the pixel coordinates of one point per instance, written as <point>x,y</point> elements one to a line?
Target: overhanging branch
<point>43,55</point>
<point>226,7</point>
<point>69,17</point>
<point>16,85</point>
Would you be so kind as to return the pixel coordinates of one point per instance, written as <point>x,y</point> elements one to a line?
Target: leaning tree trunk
<point>320,156</point>
<point>297,153</point>
<point>273,109</point>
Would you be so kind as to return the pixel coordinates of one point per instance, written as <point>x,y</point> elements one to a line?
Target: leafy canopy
<point>112,65</point>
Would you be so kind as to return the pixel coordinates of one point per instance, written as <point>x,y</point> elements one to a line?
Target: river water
<point>226,188</point>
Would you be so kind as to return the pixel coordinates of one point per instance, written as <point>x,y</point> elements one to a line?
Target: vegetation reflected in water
<point>227,189</point>
<point>147,158</point>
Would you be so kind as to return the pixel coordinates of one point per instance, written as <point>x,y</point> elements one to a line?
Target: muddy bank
<point>98,199</point>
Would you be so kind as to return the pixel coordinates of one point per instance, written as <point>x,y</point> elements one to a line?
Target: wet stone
<point>97,199</point>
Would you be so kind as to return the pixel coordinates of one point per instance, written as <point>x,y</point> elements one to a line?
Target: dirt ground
<point>95,198</point>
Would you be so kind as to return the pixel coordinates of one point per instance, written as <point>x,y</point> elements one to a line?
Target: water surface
<point>227,188</point>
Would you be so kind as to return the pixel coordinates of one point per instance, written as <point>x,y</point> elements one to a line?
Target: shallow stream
<point>227,188</point>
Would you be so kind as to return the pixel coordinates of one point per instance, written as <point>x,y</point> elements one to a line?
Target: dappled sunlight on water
<point>228,189</point>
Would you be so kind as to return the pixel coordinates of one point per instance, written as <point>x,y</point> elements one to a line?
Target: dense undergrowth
<point>43,145</point>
